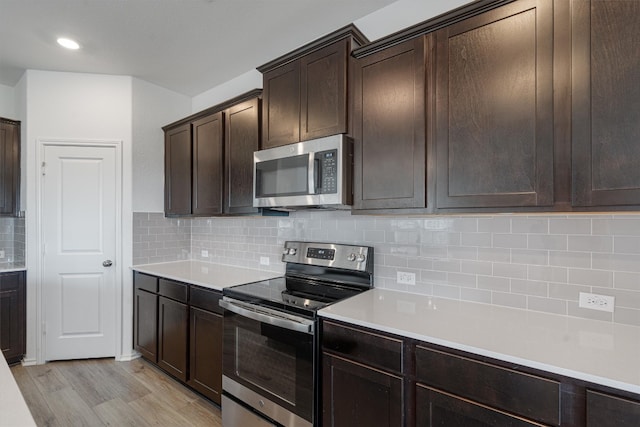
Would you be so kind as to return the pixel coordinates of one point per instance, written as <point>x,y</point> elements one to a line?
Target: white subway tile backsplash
<point>518,241</point>
<point>626,244</point>
<point>547,241</point>
<point>529,225</point>
<point>590,243</point>
<point>627,316</point>
<point>570,259</point>
<point>517,271</point>
<point>529,287</point>
<point>616,227</point>
<point>624,280</point>
<point>547,273</point>
<point>601,278</point>
<point>569,226</point>
<point>509,300</point>
<point>535,262</point>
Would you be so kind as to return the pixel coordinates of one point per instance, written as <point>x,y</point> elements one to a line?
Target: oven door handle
<point>264,315</point>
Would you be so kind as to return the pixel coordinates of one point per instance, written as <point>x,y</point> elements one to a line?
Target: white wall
<point>7,102</point>
<point>153,107</point>
<point>237,86</point>
<point>75,106</point>
<point>402,14</point>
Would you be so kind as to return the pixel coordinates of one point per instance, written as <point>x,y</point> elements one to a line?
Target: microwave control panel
<point>328,171</point>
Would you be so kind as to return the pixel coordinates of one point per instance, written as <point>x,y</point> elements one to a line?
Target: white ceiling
<point>188,46</point>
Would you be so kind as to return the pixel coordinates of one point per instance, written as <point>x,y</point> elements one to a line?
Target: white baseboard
<point>28,362</point>
<point>128,357</point>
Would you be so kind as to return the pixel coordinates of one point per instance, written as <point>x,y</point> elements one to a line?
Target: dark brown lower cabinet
<point>374,378</point>
<point>605,410</point>
<point>358,395</point>
<point>173,326</point>
<point>205,353</point>
<point>12,315</point>
<point>436,408</point>
<point>145,334</point>
<point>178,327</point>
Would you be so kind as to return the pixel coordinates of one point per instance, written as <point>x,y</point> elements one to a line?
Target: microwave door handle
<point>312,173</point>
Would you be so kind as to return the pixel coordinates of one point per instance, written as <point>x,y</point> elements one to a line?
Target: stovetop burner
<point>317,275</point>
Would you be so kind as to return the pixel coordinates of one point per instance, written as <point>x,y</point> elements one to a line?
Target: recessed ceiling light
<point>68,43</point>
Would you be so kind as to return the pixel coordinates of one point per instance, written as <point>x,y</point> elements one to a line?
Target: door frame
<point>123,244</point>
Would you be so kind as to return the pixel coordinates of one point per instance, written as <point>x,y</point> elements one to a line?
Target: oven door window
<point>288,176</point>
<point>272,361</point>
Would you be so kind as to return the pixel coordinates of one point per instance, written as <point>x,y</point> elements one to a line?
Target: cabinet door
<point>494,108</point>
<point>358,395</point>
<point>12,316</point>
<point>145,324</point>
<point>9,167</point>
<point>281,108</point>
<point>606,102</point>
<point>173,324</point>
<point>434,408</point>
<point>389,128</point>
<point>242,138</point>
<point>177,170</point>
<point>208,165</point>
<point>205,367</point>
<point>610,411</point>
<point>323,85</point>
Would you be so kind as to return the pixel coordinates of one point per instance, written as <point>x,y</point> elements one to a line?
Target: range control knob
<point>293,251</point>
<point>351,257</point>
<point>285,251</point>
<point>360,258</point>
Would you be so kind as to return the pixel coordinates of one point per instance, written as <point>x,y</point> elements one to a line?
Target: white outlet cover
<point>204,253</point>
<point>596,302</point>
<point>264,260</point>
<point>1,254</point>
<point>406,278</point>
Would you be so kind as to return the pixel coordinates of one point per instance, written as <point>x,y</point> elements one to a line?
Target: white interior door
<point>79,203</point>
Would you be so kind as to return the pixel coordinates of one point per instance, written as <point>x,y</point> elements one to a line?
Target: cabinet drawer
<point>146,282</point>
<point>372,349</point>
<point>523,394</point>
<point>174,290</point>
<point>604,410</point>
<point>205,299</point>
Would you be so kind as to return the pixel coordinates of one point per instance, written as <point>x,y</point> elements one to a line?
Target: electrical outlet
<point>1,254</point>
<point>264,260</point>
<point>204,253</point>
<point>405,278</point>
<point>596,302</point>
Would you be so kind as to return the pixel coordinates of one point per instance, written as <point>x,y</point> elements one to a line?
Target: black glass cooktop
<point>299,295</point>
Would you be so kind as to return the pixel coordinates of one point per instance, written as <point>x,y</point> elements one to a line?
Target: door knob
<point>107,263</point>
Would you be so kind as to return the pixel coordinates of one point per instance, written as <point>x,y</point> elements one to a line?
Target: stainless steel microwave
<point>315,173</point>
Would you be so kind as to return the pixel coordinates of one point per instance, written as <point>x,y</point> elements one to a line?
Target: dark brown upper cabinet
<point>177,170</point>
<point>606,103</point>
<point>9,167</point>
<point>390,110</point>
<point>305,91</point>
<point>209,159</point>
<point>242,138</point>
<point>194,167</point>
<point>494,108</point>
<point>208,165</point>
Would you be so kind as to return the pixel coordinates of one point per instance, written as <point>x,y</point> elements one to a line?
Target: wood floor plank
<point>37,404</point>
<point>70,409</point>
<point>174,394</point>
<point>118,413</point>
<point>105,392</point>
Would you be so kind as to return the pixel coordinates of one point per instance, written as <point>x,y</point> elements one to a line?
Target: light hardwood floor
<point>103,392</point>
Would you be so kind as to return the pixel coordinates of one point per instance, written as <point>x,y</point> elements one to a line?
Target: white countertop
<point>600,352</point>
<point>213,276</point>
<point>13,409</point>
<point>10,267</point>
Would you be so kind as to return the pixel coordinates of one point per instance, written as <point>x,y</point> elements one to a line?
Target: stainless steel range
<point>271,344</point>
